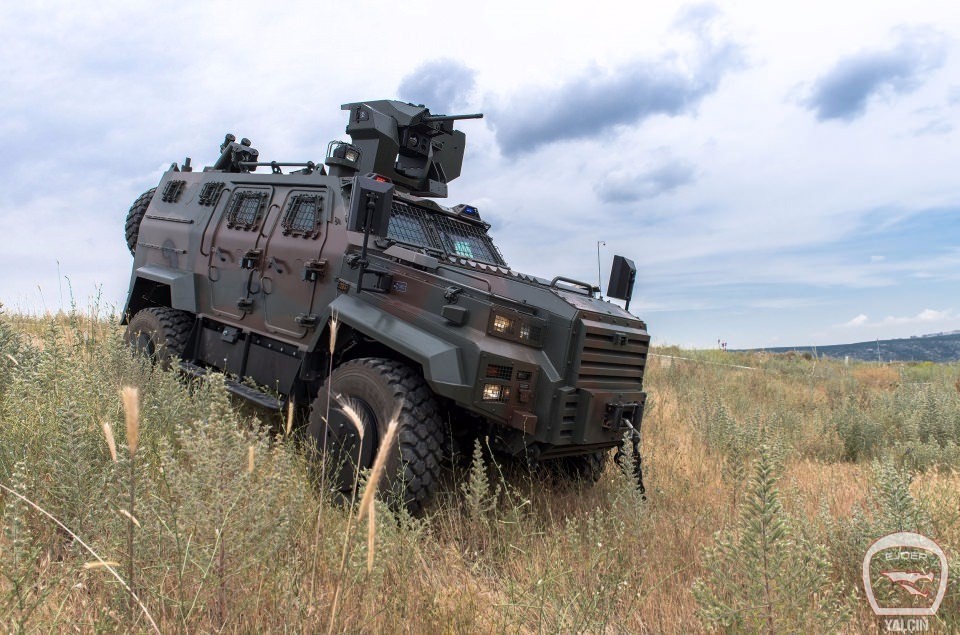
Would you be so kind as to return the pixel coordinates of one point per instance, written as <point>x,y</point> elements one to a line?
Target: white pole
<point>599,275</point>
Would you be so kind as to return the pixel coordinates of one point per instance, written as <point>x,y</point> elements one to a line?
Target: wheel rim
<point>345,451</point>
<point>145,345</point>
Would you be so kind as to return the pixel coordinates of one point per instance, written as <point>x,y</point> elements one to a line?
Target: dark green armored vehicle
<point>246,266</point>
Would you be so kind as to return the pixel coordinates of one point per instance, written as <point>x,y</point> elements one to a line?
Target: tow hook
<point>617,414</point>
<point>634,436</point>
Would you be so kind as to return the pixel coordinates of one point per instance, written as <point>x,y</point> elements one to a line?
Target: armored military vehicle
<point>348,279</point>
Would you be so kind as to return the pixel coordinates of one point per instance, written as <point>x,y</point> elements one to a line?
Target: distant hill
<point>925,348</point>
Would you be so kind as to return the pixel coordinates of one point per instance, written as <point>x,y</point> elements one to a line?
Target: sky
<point>781,173</point>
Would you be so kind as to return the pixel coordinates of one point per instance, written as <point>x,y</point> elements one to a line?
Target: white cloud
<point>777,206</point>
<point>925,317</point>
<point>784,303</point>
<point>860,320</point>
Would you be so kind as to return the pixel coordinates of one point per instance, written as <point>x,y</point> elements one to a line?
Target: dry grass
<point>876,376</point>
<point>842,487</point>
<point>233,537</point>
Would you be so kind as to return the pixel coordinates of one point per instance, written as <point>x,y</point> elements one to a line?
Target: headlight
<point>504,386</point>
<point>502,325</point>
<point>529,333</point>
<point>495,392</point>
<point>515,326</point>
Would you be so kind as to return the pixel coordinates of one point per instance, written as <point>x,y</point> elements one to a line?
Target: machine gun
<point>418,151</point>
<point>235,157</point>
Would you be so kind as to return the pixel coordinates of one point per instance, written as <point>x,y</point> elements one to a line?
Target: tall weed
<point>229,533</point>
<point>765,577</point>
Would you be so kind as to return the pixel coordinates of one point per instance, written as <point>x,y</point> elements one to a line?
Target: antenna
<point>599,275</point>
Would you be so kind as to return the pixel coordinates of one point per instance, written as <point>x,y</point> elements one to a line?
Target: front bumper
<point>600,397</point>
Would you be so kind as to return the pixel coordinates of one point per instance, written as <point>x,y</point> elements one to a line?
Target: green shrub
<point>763,576</point>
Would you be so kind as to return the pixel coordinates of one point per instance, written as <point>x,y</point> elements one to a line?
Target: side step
<point>234,387</point>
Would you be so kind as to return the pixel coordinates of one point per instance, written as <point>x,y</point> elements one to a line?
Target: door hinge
<point>314,270</point>
<point>251,259</point>
<point>306,320</point>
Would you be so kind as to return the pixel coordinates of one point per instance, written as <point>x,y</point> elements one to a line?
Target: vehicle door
<point>235,255</point>
<point>293,267</point>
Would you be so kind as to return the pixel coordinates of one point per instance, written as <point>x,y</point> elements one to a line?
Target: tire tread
<point>421,437</point>
<point>171,330</point>
<point>135,216</point>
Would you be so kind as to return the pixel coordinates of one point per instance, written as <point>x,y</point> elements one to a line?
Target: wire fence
<point>702,361</point>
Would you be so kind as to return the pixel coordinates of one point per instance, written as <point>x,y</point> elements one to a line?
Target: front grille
<point>613,357</point>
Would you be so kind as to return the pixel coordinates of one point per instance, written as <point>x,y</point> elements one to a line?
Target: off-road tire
<point>585,469</point>
<point>160,333</point>
<point>382,387</point>
<point>135,215</point>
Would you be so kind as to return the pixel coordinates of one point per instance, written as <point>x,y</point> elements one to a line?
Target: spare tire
<point>135,215</point>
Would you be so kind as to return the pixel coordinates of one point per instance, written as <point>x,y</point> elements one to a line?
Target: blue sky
<point>782,173</point>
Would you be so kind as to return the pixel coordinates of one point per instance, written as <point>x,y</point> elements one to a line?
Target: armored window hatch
<point>172,191</point>
<point>303,215</point>
<point>246,209</point>
<point>210,193</point>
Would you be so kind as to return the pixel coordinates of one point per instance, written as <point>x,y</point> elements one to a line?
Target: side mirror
<point>370,206</point>
<point>623,274</point>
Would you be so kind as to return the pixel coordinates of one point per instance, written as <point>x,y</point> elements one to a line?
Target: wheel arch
<point>439,360</point>
<point>156,285</point>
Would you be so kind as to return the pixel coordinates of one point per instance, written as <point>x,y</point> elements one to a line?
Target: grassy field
<point>765,486</point>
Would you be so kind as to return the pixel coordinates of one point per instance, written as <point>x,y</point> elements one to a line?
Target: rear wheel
<point>376,390</point>
<point>135,216</point>
<point>159,332</point>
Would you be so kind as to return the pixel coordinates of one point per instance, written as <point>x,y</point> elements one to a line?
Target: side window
<point>461,247</point>
<point>467,241</point>
<point>210,193</point>
<point>431,230</point>
<point>303,216</point>
<point>409,224</point>
<point>246,209</point>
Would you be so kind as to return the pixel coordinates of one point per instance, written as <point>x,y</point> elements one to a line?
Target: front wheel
<point>376,390</point>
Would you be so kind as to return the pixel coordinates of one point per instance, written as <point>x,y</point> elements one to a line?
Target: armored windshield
<point>419,227</point>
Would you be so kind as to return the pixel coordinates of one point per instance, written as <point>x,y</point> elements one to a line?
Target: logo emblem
<point>905,574</point>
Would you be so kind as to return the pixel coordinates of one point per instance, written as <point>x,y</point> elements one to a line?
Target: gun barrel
<point>477,115</point>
